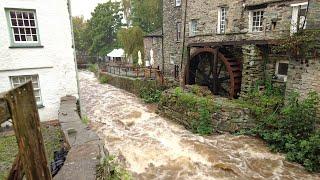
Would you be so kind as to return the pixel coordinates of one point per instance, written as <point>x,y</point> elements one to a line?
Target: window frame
<point>178,31</point>
<point>193,29</point>
<point>295,16</point>
<point>253,28</point>
<point>13,85</point>
<point>284,77</point>
<point>222,21</point>
<point>22,44</point>
<point>178,4</point>
<point>172,59</point>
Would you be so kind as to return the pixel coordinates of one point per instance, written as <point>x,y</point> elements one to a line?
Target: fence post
<point>26,122</point>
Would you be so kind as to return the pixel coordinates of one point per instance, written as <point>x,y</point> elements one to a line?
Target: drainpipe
<point>182,81</point>
<point>162,42</point>
<point>74,55</point>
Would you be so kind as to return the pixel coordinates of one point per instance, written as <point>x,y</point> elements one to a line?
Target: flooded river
<point>153,147</point>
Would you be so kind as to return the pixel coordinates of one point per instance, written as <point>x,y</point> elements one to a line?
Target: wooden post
<point>215,71</point>
<point>26,122</point>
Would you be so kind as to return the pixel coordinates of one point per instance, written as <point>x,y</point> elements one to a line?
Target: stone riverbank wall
<point>226,115</point>
<point>132,85</point>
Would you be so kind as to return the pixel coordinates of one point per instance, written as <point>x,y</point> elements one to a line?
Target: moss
<point>194,111</point>
<point>132,85</point>
<point>103,80</point>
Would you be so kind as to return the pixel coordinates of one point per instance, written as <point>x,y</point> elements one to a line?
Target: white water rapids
<point>152,147</point>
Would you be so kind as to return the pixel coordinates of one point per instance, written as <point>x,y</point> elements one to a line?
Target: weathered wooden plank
<point>16,172</point>
<point>4,111</point>
<point>26,122</point>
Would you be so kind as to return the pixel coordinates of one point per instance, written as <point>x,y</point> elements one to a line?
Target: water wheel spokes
<point>222,74</point>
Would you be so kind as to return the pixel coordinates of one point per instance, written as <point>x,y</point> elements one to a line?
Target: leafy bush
<point>150,95</point>
<point>200,109</point>
<point>292,130</point>
<point>103,79</point>
<point>263,102</point>
<point>111,169</point>
<point>93,68</point>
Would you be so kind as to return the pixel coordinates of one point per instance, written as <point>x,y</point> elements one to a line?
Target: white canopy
<point>116,53</point>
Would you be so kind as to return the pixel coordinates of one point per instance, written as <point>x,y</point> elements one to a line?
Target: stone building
<point>153,42</point>
<point>226,45</point>
<point>37,45</point>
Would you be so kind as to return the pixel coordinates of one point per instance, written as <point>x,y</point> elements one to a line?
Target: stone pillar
<point>253,68</point>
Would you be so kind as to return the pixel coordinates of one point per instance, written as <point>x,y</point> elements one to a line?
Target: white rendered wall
<point>54,63</point>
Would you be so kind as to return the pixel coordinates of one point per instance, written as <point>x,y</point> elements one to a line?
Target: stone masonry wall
<point>132,85</point>
<point>314,15</point>
<point>304,79</point>
<point>228,116</point>
<point>171,16</point>
<point>253,68</point>
<point>154,43</point>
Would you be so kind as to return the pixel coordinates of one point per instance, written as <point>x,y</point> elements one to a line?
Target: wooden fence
<point>19,105</point>
<point>134,72</point>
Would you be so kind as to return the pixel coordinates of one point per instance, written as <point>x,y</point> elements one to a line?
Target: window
<point>172,58</point>
<point>178,3</point>
<point>282,70</point>
<point>193,27</point>
<point>222,17</point>
<point>256,21</point>
<point>299,14</point>
<point>178,31</point>
<point>23,27</point>
<point>18,80</point>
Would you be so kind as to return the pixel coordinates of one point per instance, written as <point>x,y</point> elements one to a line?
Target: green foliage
<point>150,95</point>
<point>103,27</point>
<point>198,107</point>
<point>103,80</point>
<point>147,14</point>
<point>300,45</point>
<point>131,40</point>
<point>263,102</point>
<point>85,120</point>
<point>292,130</point>
<point>203,126</point>
<point>93,68</point>
<point>81,35</point>
<point>110,169</point>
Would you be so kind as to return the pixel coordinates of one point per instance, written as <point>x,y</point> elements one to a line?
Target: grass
<point>103,80</point>
<point>85,120</point>
<point>52,136</point>
<point>110,169</point>
<point>8,152</point>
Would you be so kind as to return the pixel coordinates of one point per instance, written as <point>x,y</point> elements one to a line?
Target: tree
<point>147,14</point>
<point>131,40</point>
<point>103,27</point>
<point>80,30</point>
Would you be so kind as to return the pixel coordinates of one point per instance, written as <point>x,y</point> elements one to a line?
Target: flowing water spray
<point>152,147</point>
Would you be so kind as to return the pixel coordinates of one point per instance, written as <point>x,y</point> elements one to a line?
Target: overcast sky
<point>84,7</point>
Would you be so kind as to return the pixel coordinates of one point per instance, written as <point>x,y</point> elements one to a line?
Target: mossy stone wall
<point>132,85</point>
<point>226,115</point>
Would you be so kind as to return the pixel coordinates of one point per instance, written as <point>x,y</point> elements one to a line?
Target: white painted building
<point>36,43</point>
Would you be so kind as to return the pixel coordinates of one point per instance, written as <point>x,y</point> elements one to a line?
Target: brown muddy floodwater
<point>152,147</point>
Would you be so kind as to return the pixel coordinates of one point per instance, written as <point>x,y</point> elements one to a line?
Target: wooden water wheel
<point>217,69</point>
